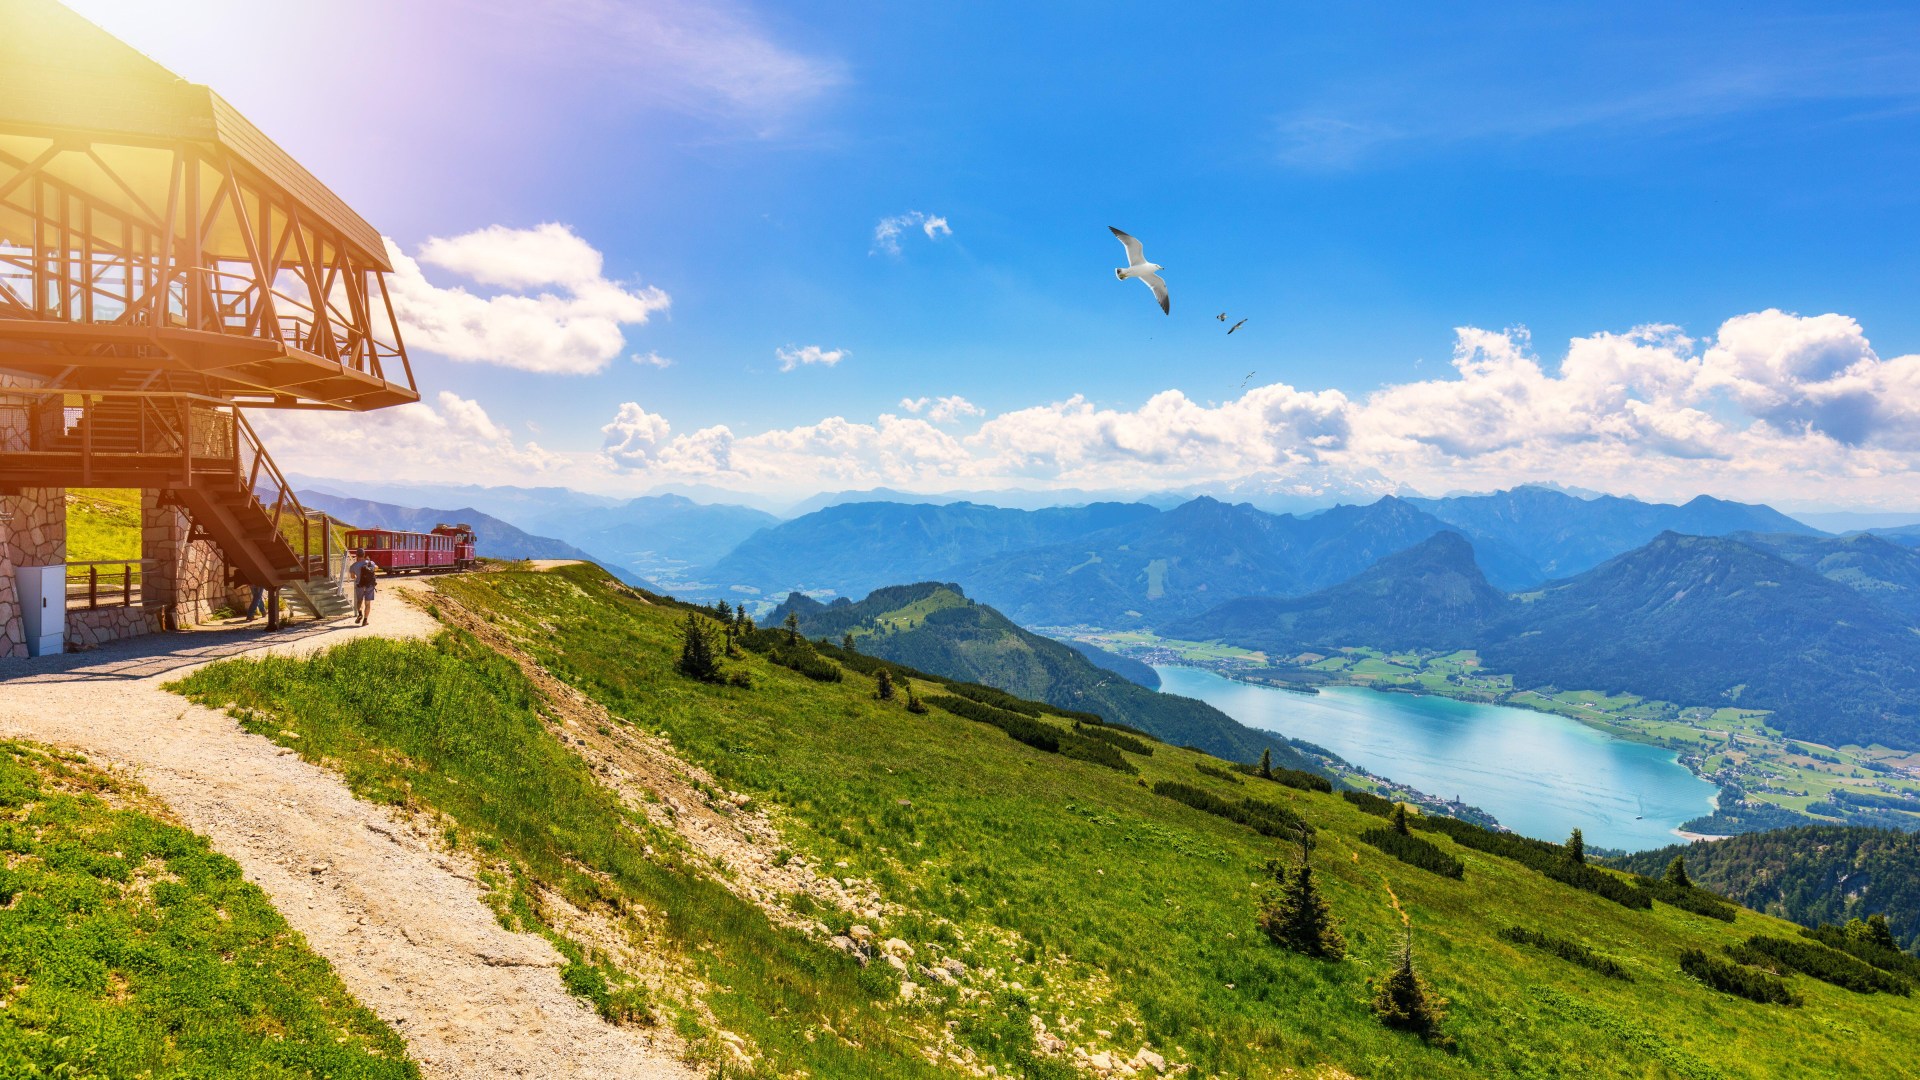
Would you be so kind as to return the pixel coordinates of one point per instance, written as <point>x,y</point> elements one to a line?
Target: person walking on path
<point>366,575</point>
<point>259,605</point>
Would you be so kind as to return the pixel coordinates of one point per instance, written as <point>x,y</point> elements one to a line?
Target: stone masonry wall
<point>33,532</point>
<point>188,576</point>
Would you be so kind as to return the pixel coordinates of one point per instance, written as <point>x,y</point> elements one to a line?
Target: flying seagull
<point>1236,326</point>
<point>1245,381</point>
<point>1222,316</point>
<point>1140,269</point>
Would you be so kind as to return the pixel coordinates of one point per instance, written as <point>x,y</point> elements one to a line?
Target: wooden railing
<point>104,583</point>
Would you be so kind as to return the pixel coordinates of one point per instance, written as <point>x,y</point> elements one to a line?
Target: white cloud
<point>943,410</point>
<point>792,357</point>
<point>427,441</point>
<point>575,328</point>
<point>886,234</point>
<point>652,359</point>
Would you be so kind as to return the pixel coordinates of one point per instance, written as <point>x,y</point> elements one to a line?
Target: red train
<point>447,547</point>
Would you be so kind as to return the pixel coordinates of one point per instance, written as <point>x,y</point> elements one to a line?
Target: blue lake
<point>1540,774</point>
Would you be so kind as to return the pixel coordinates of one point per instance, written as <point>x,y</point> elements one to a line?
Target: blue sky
<point>1357,184</point>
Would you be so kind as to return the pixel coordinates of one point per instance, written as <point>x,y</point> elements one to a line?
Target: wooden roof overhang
<point>147,230</point>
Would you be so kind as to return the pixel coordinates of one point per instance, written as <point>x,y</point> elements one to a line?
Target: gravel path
<point>401,921</point>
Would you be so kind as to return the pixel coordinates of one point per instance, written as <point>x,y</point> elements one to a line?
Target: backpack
<point>368,576</point>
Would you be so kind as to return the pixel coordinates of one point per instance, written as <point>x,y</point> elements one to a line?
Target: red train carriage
<point>447,547</point>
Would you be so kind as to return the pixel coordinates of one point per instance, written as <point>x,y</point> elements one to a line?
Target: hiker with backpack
<point>366,575</point>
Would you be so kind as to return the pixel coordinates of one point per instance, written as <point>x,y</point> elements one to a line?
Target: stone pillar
<point>185,578</point>
<point>33,521</point>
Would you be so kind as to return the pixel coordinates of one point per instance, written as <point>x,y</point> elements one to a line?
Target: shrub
<point>1736,980</point>
<point>1262,817</point>
<point>1677,873</point>
<point>1107,735</point>
<point>1405,1002</point>
<point>1687,897</point>
<point>804,660</point>
<point>1865,945</point>
<point>1369,802</point>
<point>914,704</point>
<point>1816,960</point>
<point>1540,856</point>
<point>1020,728</point>
<point>1414,851</point>
<point>1570,951</point>
<point>740,679</point>
<point>1216,772</point>
<point>1293,778</point>
<point>1098,753</point>
<point>883,685</point>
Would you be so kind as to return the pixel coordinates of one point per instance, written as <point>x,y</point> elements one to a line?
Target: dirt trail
<point>401,920</point>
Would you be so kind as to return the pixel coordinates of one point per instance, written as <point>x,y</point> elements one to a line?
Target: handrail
<point>92,587</point>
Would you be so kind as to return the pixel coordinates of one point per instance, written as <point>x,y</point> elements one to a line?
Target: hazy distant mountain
<point>1430,596</point>
<point>935,628</point>
<point>1124,666</point>
<point>1872,565</point>
<point>1904,535</point>
<point>1165,568</point>
<point>1850,521</point>
<point>1710,620</point>
<point>1563,534</point>
<point>657,534</point>
<point>518,505</point>
<point>858,547</point>
<point>493,538</point>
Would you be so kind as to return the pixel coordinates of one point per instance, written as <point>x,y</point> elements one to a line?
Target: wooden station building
<point>164,267</point>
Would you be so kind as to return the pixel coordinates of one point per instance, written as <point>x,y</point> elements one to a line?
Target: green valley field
<point>1042,913</point>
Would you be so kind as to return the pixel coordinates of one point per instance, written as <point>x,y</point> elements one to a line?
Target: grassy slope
<point>128,949</point>
<point>1096,903</point>
<point>103,523</point>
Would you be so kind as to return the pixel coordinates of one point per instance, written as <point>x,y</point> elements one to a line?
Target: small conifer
<point>1677,873</point>
<point>1266,763</point>
<point>696,651</point>
<point>1576,848</point>
<point>846,642</point>
<point>914,704</point>
<point>883,685</point>
<point>1873,930</point>
<point>1295,916</point>
<point>1405,1001</point>
<point>1400,819</point>
<point>792,626</point>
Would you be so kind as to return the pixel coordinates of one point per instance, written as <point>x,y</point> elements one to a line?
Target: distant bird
<point>1236,326</point>
<point>1222,316</point>
<point>1140,269</point>
<point>1245,381</point>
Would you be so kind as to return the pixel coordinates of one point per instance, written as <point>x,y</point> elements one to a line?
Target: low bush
<point>1021,728</point>
<point>1107,735</point>
<point>1813,959</point>
<point>1293,778</point>
<point>1414,851</point>
<point>1687,898</point>
<point>804,660</point>
<point>1369,802</point>
<point>1735,979</point>
<point>1570,951</point>
<point>1262,817</point>
<point>1216,772</point>
<point>1538,855</point>
<point>1099,753</point>
<point>1875,953</point>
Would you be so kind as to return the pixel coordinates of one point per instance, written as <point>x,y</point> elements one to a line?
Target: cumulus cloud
<point>792,357</point>
<point>943,410</point>
<point>558,313</point>
<point>447,437</point>
<point>886,234</point>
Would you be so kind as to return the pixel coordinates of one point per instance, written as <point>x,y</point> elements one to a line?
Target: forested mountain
<point>1904,535</point>
<point>1812,875</point>
<point>1564,534</point>
<point>494,539</point>
<point>858,547</point>
<point>934,628</point>
<point>1873,566</point>
<point>1710,620</point>
<point>1430,596</point>
<point>656,533</point>
<point>1165,568</point>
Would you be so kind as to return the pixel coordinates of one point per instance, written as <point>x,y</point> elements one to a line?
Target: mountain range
<point>493,538</point>
<point>1689,619</point>
<point>933,627</point>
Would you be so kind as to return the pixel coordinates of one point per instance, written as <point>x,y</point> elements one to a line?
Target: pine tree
<point>1400,819</point>
<point>914,704</point>
<point>696,651</point>
<point>725,612</point>
<point>1266,763</point>
<point>846,642</point>
<point>1873,930</point>
<point>1295,915</point>
<point>1677,873</point>
<point>1576,848</point>
<point>883,685</point>
<point>792,626</point>
<point>1405,1001</point>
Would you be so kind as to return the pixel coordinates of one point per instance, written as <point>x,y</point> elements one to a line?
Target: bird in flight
<point>1140,269</point>
<point>1236,326</point>
<point>1245,381</point>
<point>1222,316</point>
